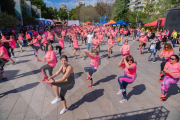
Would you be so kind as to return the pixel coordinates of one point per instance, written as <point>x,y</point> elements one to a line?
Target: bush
<point>7,21</point>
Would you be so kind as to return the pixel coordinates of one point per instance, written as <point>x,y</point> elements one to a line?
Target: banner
<point>39,12</point>
<point>101,18</point>
<point>18,11</point>
<point>104,18</point>
<point>27,5</point>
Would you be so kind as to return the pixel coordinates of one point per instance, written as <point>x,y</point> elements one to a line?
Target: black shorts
<point>77,49</point>
<point>51,41</point>
<point>144,45</point>
<point>29,40</point>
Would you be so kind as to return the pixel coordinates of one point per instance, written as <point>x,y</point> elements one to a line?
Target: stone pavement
<point>25,97</point>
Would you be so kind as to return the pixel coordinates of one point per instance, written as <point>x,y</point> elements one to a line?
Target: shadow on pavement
<point>173,90</point>
<point>156,113</point>
<point>89,97</point>
<point>20,89</point>
<point>108,78</point>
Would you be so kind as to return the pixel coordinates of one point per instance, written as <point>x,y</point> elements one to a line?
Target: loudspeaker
<point>172,20</point>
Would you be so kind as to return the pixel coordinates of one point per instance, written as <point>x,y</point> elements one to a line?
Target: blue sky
<point>69,3</point>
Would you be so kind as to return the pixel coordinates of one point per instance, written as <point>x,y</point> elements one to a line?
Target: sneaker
<point>12,57</point>
<point>55,100</point>
<point>49,83</point>
<point>111,52</point>
<point>75,57</point>
<point>90,86</point>
<point>35,53</point>
<point>83,58</point>
<point>160,74</point>
<point>44,79</point>
<point>123,101</point>
<point>88,78</point>
<point>154,62</point>
<point>119,92</point>
<point>63,111</point>
<point>21,51</point>
<point>36,60</point>
<point>160,80</point>
<point>162,98</point>
<point>13,62</point>
<point>108,57</point>
<point>4,78</point>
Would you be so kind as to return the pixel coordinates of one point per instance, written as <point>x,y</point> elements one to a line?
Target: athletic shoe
<point>162,98</point>
<point>160,80</point>
<point>88,78</point>
<point>12,57</point>
<point>49,83</point>
<point>4,78</point>
<point>119,92</point>
<point>36,60</point>
<point>21,51</point>
<point>123,101</point>
<point>83,58</point>
<point>44,79</point>
<point>154,62</point>
<point>160,74</point>
<point>75,58</point>
<point>55,100</point>
<point>111,52</point>
<point>63,111</point>
<point>13,62</point>
<point>90,86</point>
<point>35,53</point>
<point>108,57</point>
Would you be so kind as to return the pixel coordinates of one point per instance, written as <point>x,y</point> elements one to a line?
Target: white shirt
<point>90,37</point>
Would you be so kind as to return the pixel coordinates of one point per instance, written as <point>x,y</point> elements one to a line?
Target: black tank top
<point>70,79</point>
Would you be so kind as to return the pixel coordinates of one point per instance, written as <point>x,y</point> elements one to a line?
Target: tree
<point>8,6</point>
<point>62,14</point>
<point>6,21</point>
<point>120,10</point>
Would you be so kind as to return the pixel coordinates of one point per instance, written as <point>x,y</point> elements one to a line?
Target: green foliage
<point>6,21</point>
<point>8,6</point>
<point>62,14</point>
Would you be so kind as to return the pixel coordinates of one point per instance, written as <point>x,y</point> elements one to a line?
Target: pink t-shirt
<point>52,38</point>
<point>12,43</point>
<point>39,37</point>
<point>61,43</point>
<point>75,43</point>
<point>94,61</point>
<point>173,68</point>
<point>165,53</point>
<point>130,72</point>
<point>44,41</point>
<point>20,38</point>
<point>28,36</point>
<point>125,32</point>
<point>124,49</point>
<point>95,42</point>
<point>111,42</point>
<point>63,33</point>
<point>143,39</point>
<point>3,50</point>
<point>51,55</point>
<point>35,33</point>
<point>37,42</point>
<point>100,37</point>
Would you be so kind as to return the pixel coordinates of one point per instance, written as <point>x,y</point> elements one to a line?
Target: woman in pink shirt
<point>20,41</point>
<point>12,44</point>
<point>4,58</point>
<point>96,42</point>
<point>61,43</point>
<point>94,55</point>
<point>166,53</point>
<point>142,41</point>
<point>51,60</point>
<point>125,49</point>
<point>50,38</point>
<point>44,43</point>
<point>172,70</point>
<point>129,75</point>
<point>111,42</point>
<point>36,46</point>
<point>76,48</point>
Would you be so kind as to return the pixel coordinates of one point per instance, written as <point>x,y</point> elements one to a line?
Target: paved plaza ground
<point>25,97</point>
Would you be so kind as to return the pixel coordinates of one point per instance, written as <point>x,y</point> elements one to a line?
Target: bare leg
<point>87,74</point>
<point>74,53</point>
<point>80,53</point>
<point>3,75</point>
<point>64,104</point>
<point>56,91</point>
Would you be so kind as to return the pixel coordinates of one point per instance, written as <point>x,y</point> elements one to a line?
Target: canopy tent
<point>120,22</point>
<point>102,23</point>
<point>110,22</point>
<point>88,22</point>
<point>154,24</point>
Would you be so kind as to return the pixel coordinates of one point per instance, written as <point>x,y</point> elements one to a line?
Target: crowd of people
<point>95,37</point>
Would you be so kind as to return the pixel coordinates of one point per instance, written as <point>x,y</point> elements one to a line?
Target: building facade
<point>137,5</point>
<point>81,3</point>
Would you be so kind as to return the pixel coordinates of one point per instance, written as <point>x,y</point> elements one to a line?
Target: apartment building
<point>138,4</point>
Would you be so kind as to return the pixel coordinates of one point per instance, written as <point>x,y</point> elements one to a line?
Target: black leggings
<point>2,63</point>
<point>12,51</point>
<point>163,64</point>
<point>7,48</point>
<point>60,48</point>
<point>46,67</point>
<point>65,86</point>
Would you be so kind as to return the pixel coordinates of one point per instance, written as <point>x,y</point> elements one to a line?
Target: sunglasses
<point>172,59</point>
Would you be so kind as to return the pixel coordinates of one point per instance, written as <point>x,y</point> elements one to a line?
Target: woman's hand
<point>50,81</point>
